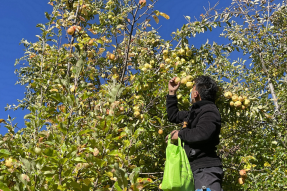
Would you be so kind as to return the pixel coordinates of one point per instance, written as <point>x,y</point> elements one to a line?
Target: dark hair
<point>206,88</point>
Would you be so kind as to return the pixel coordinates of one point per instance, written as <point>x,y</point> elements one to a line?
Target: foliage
<point>96,82</point>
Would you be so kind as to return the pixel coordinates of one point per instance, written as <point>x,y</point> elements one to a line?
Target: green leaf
<point>85,131</point>
<point>117,187</point>
<point>120,174</point>
<point>4,187</point>
<point>134,175</point>
<point>26,164</point>
<point>4,152</point>
<point>79,159</point>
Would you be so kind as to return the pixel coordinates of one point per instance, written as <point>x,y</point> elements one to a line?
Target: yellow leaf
<point>156,12</point>
<point>2,120</point>
<point>156,19</point>
<point>164,15</point>
<point>53,90</point>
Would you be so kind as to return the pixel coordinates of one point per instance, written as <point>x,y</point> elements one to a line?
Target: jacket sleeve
<point>173,114</point>
<point>204,130</point>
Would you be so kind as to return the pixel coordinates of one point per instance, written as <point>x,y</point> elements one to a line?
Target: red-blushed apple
<point>71,31</point>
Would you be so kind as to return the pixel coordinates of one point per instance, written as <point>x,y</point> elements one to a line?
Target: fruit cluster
<point>73,29</point>
<point>239,102</point>
<point>243,175</point>
<point>185,81</point>
<point>179,57</point>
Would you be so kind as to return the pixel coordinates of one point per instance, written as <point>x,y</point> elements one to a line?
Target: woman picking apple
<point>200,133</point>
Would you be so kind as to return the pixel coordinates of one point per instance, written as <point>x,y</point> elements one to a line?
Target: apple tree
<point>96,82</point>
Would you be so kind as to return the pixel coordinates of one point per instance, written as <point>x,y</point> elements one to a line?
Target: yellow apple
<point>228,95</point>
<point>160,131</point>
<point>183,81</point>
<point>234,98</point>
<point>161,65</point>
<point>231,103</point>
<point>165,52</point>
<point>237,104</point>
<point>241,180</point>
<point>137,114</point>
<point>111,56</point>
<point>240,98</point>
<point>246,102</point>
<point>189,85</point>
<point>189,78</point>
<point>167,60</point>
<point>177,80</point>
<point>8,162</point>
<point>181,51</point>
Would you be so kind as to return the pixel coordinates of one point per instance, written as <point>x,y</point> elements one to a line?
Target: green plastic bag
<point>177,172</point>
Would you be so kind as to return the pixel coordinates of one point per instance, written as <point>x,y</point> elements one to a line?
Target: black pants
<point>210,177</point>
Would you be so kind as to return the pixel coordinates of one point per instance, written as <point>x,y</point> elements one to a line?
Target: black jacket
<point>201,134</point>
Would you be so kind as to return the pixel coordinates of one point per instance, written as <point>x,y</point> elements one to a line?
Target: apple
<point>79,28</point>
<point>152,62</point>
<point>90,54</point>
<point>192,61</point>
<point>183,80</point>
<point>228,95</point>
<point>174,55</point>
<point>181,51</point>
<point>161,65</point>
<point>25,177</point>
<point>96,152</point>
<point>91,42</point>
<point>148,66</point>
<point>237,104</point>
<point>136,113</point>
<point>234,98</point>
<point>231,103</point>
<point>244,97</point>
<point>243,173</point>
<point>37,150</point>
<point>176,80</point>
<point>177,64</point>
<point>240,98</point>
<point>189,78</point>
<point>165,52</point>
<point>241,180</point>
<point>179,96</point>
<point>243,107</point>
<point>167,60</point>
<point>246,102</point>
<point>189,85</point>
<point>71,31</point>
<point>111,56</point>
<point>8,162</point>
<point>142,2</point>
<point>165,57</point>
<point>160,131</point>
<point>189,53</point>
<point>177,58</point>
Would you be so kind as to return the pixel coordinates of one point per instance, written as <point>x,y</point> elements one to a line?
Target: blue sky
<point>19,19</point>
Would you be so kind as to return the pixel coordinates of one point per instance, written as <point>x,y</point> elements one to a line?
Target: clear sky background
<point>19,19</point>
